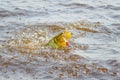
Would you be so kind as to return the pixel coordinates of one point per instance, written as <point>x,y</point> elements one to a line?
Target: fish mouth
<point>67,43</point>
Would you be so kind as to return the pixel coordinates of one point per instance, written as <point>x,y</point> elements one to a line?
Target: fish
<point>61,40</point>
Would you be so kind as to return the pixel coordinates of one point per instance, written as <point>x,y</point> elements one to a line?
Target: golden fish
<point>61,40</point>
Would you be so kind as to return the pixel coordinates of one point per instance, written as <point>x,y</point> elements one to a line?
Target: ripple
<point>7,13</point>
<point>79,5</point>
<point>116,17</point>
<point>19,12</point>
<point>111,7</point>
<point>116,24</point>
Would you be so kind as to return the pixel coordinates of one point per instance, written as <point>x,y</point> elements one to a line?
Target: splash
<point>28,44</point>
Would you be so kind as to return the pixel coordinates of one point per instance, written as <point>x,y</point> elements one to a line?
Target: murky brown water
<point>25,26</point>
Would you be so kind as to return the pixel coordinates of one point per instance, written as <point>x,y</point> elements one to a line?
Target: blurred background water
<point>95,51</point>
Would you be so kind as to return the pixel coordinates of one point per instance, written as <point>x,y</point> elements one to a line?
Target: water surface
<point>25,26</point>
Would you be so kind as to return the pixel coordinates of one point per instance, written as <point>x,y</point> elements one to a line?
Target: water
<point>25,26</point>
